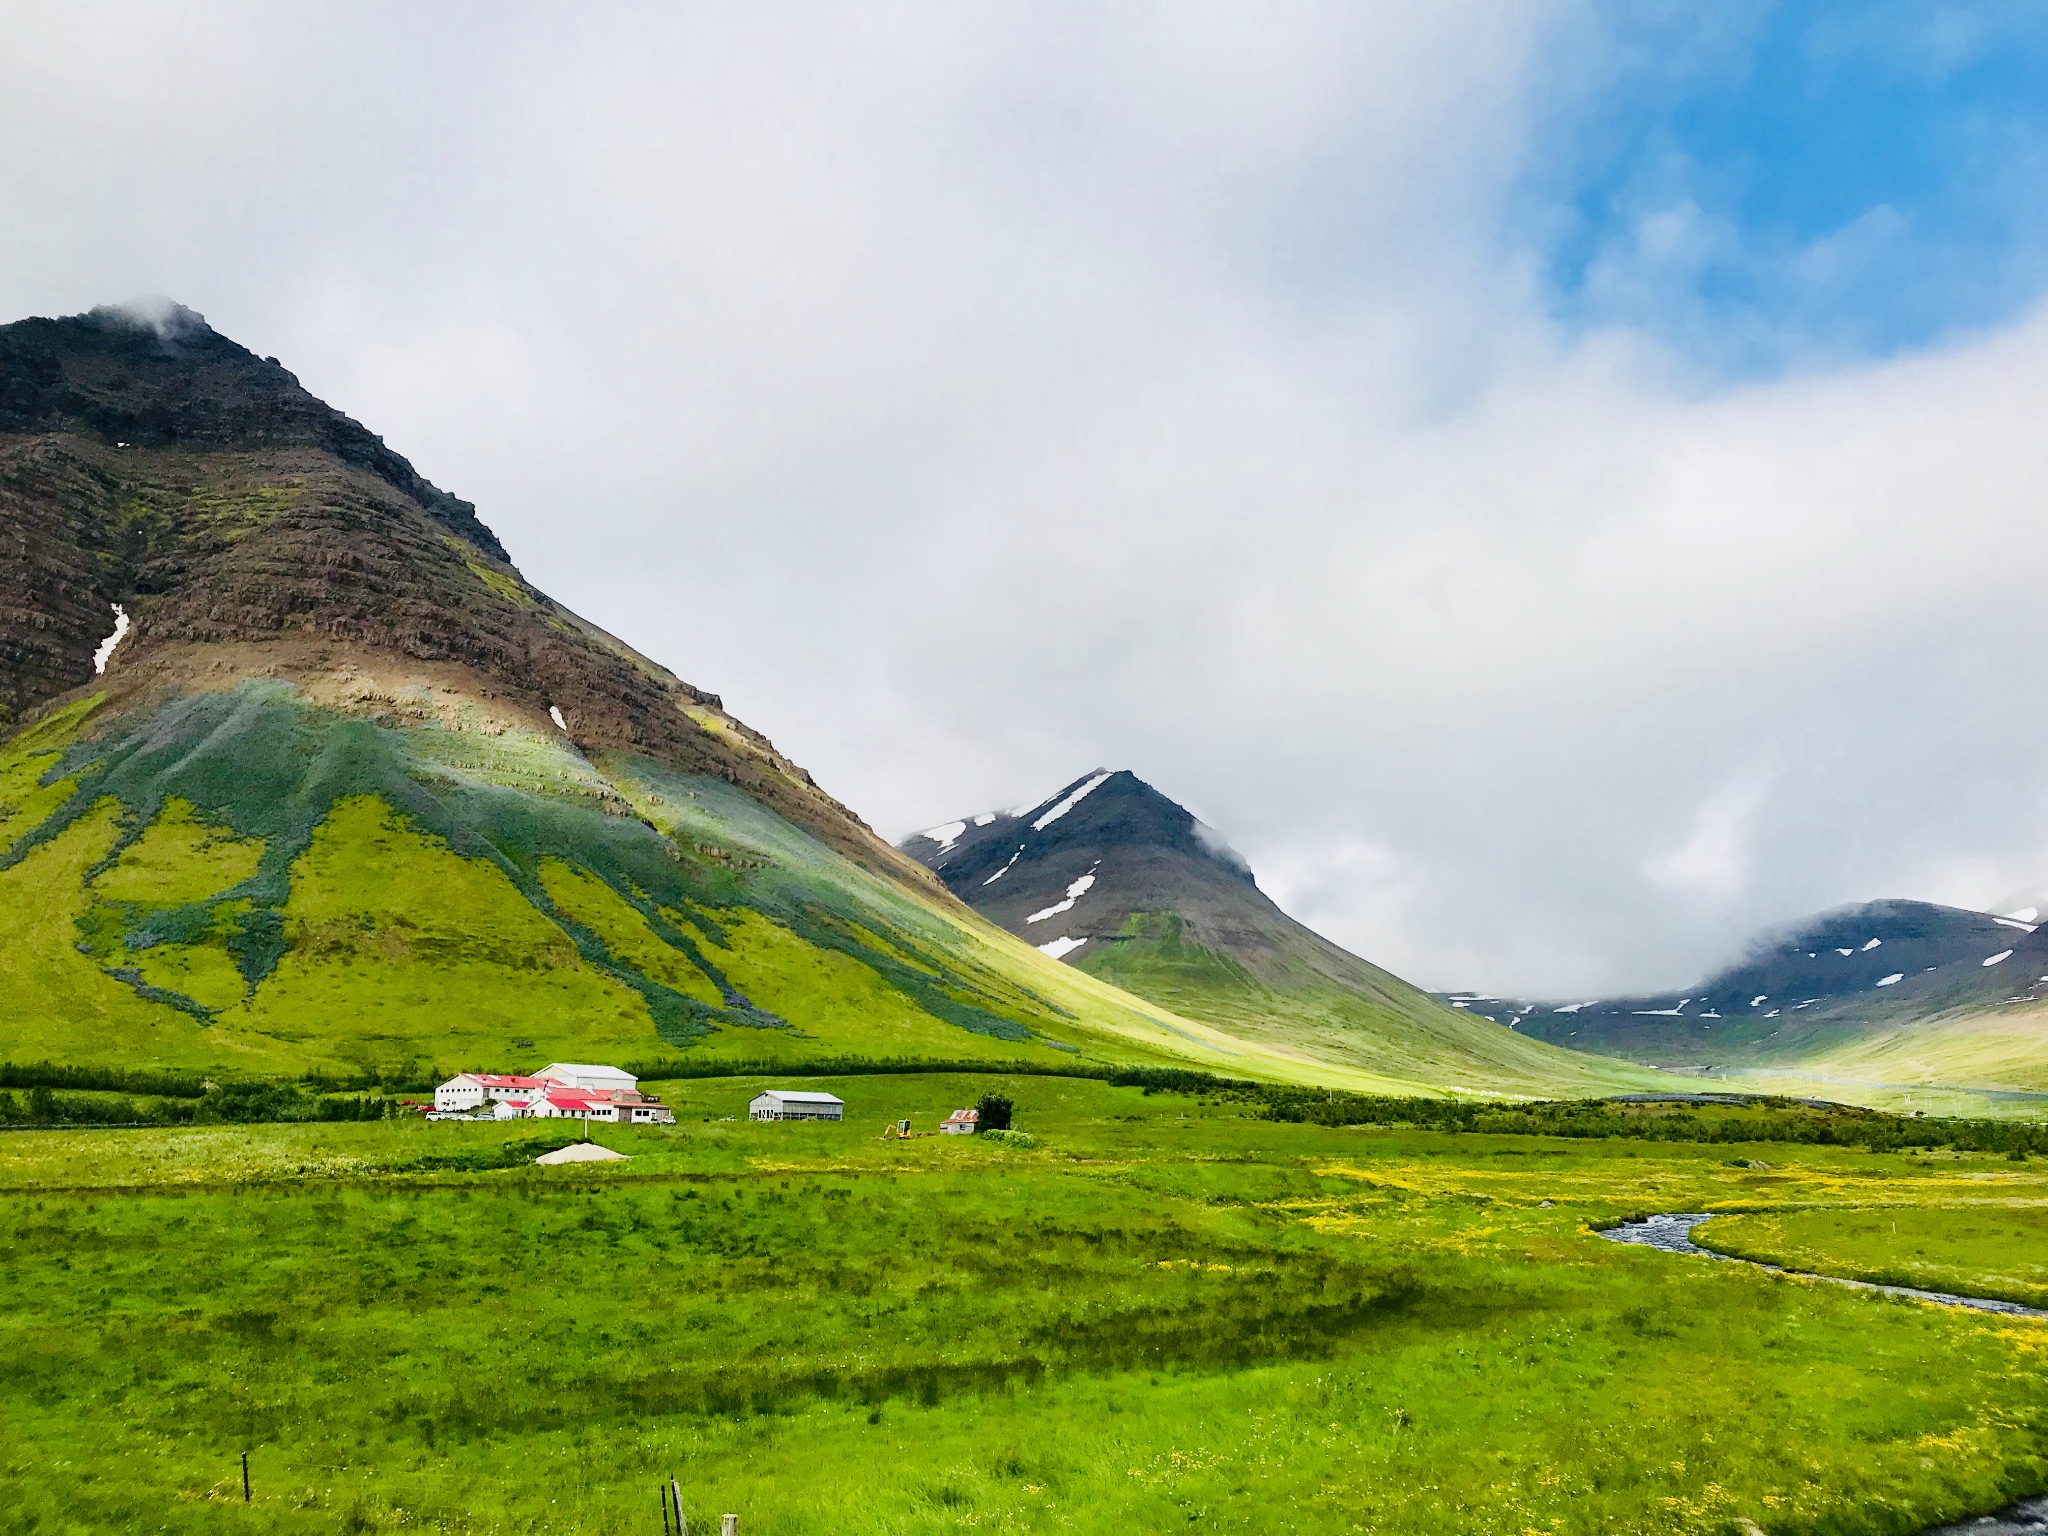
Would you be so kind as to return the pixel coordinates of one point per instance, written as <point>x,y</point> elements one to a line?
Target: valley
<point>1383,1328</point>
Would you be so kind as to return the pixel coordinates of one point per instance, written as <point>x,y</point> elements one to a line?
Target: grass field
<point>1169,1316</point>
<point>1993,1250</point>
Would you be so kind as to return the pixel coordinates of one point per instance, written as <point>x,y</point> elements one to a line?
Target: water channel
<point>1672,1233</point>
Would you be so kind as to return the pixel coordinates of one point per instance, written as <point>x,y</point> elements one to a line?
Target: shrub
<point>1023,1141</point>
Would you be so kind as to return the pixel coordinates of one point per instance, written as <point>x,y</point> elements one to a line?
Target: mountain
<point>1122,883</point>
<point>1885,996</point>
<point>303,775</point>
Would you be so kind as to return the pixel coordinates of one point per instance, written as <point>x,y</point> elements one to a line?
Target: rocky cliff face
<point>248,529</point>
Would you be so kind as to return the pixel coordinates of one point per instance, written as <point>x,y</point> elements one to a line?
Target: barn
<point>779,1104</point>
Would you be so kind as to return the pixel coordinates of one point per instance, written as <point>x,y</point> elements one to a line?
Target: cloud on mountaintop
<point>1432,442</point>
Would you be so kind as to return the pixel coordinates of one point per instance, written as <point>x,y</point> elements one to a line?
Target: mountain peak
<point>1104,809</point>
<point>152,374</point>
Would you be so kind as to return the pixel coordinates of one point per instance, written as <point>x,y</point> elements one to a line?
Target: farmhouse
<point>779,1104</point>
<point>629,1108</point>
<point>564,1090</point>
<point>962,1122</point>
<point>472,1090</point>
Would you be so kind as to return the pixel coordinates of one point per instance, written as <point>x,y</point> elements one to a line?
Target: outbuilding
<point>781,1104</point>
<point>578,1074</point>
<point>962,1122</point>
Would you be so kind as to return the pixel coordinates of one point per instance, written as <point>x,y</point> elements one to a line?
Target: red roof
<point>504,1080</point>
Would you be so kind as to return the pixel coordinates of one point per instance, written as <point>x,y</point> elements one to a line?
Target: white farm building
<point>779,1104</point>
<point>576,1074</point>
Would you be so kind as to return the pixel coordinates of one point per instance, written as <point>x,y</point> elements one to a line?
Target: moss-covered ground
<point>1337,1011</point>
<point>242,884</point>
<point>1997,1249</point>
<point>1167,1316</point>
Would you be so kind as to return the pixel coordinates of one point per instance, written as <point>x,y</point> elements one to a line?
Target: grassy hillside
<point>1323,1005</point>
<point>1168,1316</point>
<point>1124,884</point>
<point>242,882</point>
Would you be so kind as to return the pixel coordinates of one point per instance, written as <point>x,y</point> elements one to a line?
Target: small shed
<point>780,1104</point>
<point>962,1122</point>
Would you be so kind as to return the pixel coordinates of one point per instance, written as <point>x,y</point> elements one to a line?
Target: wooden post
<point>245,1477</point>
<point>730,1526</point>
<point>663,1490</point>
<point>676,1492</point>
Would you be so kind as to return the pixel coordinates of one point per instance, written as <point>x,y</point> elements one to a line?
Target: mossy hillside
<point>1334,1025</point>
<point>259,885</point>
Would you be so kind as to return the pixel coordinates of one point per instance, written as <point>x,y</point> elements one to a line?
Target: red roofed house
<point>962,1122</point>
<point>472,1090</point>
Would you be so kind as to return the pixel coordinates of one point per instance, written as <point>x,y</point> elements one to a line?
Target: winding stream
<point>1672,1233</point>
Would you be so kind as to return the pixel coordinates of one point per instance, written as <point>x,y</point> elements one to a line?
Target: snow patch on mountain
<point>105,653</point>
<point>947,835</point>
<point>1060,947</point>
<point>1074,893</point>
<point>1070,802</point>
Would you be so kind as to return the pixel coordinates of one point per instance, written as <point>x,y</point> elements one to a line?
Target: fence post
<point>730,1526</point>
<point>662,1489</point>
<point>245,1477</point>
<point>676,1492</point>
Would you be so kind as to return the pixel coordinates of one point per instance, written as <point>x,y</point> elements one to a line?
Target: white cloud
<point>974,395</point>
<point>1714,859</point>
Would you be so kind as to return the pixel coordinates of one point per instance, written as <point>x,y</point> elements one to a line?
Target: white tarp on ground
<point>582,1152</point>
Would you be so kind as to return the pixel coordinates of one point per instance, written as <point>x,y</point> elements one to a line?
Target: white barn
<point>780,1104</point>
<point>576,1074</point>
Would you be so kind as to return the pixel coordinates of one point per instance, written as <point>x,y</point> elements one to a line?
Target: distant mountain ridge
<point>1822,993</point>
<point>1122,882</point>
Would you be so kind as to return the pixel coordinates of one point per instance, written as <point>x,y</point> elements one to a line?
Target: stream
<point>1672,1233</point>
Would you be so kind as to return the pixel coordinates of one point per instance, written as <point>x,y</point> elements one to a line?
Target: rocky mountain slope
<point>303,774</point>
<point>1123,883</point>
<point>1919,994</point>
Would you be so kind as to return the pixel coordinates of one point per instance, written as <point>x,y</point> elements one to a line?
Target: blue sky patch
<point>1766,185</point>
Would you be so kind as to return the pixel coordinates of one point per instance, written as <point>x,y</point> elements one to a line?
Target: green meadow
<point>1168,1315</point>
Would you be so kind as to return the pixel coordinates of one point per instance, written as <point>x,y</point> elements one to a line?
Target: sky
<point>1560,486</point>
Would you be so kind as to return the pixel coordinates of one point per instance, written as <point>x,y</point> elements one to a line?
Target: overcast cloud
<point>1544,578</point>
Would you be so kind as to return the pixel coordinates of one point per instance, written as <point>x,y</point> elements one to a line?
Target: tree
<point>993,1112</point>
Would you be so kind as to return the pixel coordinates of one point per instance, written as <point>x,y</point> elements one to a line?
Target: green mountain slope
<point>243,882</point>
<point>345,793</point>
<point>1127,886</point>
